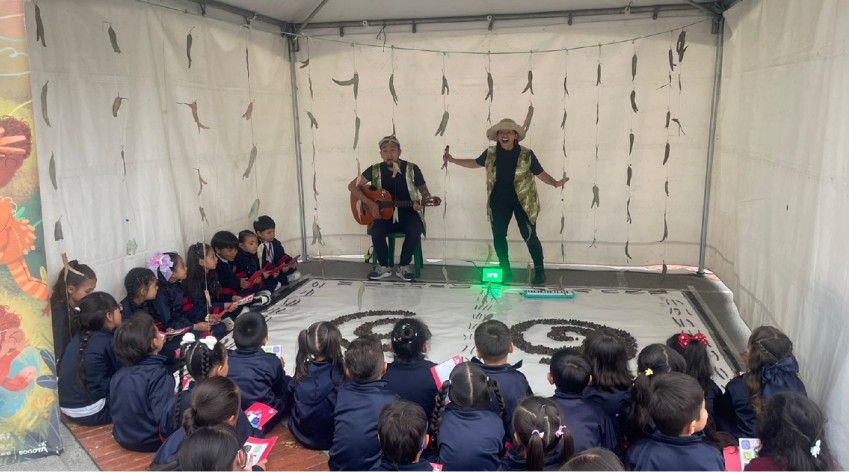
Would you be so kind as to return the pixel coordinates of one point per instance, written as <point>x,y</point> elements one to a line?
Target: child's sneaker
<point>380,272</point>
<point>261,299</point>
<point>294,276</point>
<point>406,273</point>
<point>279,287</point>
<point>263,293</point>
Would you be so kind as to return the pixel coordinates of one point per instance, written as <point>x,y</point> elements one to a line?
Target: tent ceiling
<point>296,11</point>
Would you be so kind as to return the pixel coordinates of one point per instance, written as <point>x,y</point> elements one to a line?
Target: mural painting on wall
<point>29,413</point>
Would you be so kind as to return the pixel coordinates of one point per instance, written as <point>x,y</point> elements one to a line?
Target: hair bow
<point>684,339</point>
<point>209,342</point>
<point>648,372</point>
<point>815,449</point>
<point>559,432</point>
<point>538,433</point>
<point>188,338</point>
<point>162,263</point>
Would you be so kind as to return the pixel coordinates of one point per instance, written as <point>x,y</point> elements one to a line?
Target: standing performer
<point>404,180</point>
<point>511,189</point>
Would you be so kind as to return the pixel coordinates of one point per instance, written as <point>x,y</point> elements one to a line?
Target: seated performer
<point>405,182</point>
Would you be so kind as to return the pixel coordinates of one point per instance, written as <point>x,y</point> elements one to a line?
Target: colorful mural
<point>29,413</point>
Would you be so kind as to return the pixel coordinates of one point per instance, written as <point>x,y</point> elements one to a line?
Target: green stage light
<point>490,275</point>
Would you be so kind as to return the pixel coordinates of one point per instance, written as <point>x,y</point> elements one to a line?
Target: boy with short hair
<point>402,431</point>
<point>226,244</point>
<point>260,375</point>
<point>270,252</point>
<point>675,442</point>
<point>358,406</point>
<point>493,345</point>
<point>571,372</point>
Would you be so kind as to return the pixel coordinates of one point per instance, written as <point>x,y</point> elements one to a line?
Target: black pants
<point>502,213</point>
<point>408,223</point>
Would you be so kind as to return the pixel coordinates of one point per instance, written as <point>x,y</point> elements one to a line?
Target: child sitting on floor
<point>141,391</point>
<point>215,448</point>
<point>402,431</point>
<point>271,253</point>
<point>409,374</point>
<point>611,386</point>
<point>541,441</point>
<point>90,362</point>
<point>358,406</point>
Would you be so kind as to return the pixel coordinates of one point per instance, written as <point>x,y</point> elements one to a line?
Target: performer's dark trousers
<point>502,213</point>
<point>408,223</point>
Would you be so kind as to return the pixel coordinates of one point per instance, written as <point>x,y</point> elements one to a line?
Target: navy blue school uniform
<point>101,364</point>
<point>413,381</point>
<point>243,426</point>
<point>514,459</point>
<point>61,329</point>
<point>712,395</point>
<point>273,253</point>
<point>470,439</point>
<point>261,378</point>
<point>168,306</point>
<point>314,401</point>
<point>657,451</point>
<point>358,406</point>
<point>226,277</point>
<point>616,404</point>
<point>169,349</point>
<point>195,307</point>
<point>422,465</point>
<point>589,425</point>
<point>167,453</point>
<point>244,266</point>
<point>139,397</point>
<point>513,386</point>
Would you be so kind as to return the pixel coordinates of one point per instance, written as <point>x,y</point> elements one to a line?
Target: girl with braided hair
<point>409,373</point>
<point>202,359</point>
<point>792,434</point>
<point>75,281</point>
<point>319,372</point>
<point>467,435</point>
<point>90,362</point>
<point>543,442</point>
<point>214,401</point>
<point>770,368</point>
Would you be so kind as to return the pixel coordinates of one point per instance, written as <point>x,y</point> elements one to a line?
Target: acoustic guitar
<point>384,203</point>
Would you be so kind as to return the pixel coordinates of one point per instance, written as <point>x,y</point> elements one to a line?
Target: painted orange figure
<point>12,342</point>
<point>17,238</point>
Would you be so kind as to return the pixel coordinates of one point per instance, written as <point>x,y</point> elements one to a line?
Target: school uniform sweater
<point>413,381</point>
<point>358,406</point>
<point>616,404</point>
<point>139,396</point>
<point>61,329</point>
<point>514,459</point>
<point>513,386</point>
<point>734,412</point>
<point>278,255</point>
<point>260,377</point>
<point>100,365</point>
<point>422,465</point>
<point>314,400</point>
<point>244,266</point>
<point>588,423</point>
<point>657,451</point>
<point>470,439</point>
<point>168,305</point>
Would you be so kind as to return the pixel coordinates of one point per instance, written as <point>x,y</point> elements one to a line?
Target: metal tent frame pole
<point>714,108</point>
<point>296,125</point>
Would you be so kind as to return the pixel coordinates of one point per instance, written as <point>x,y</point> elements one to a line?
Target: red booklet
<point>171,334</point>
<point>258,448</point>
<point>441,372</point>
<point>258,414</point>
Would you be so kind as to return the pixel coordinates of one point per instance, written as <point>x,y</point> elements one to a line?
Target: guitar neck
<point>394,204</point>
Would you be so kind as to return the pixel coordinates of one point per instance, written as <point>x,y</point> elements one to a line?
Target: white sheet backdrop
<point>781,185</point>
<point>157,204</point>
<point>463,231</point>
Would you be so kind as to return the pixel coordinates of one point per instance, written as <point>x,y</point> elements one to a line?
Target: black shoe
<point>539,278</point>
<point>506,274</point>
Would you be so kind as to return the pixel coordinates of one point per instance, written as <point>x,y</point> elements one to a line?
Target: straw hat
<point>505,125</point>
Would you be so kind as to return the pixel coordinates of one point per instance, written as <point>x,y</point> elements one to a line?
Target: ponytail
<point>90,316</point>
<point>213,402</point>
<point>540,429</point>
<point>438,410</point>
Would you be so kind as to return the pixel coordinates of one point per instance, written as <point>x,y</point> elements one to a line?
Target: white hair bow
<point>815,450</point>
<point>209,342</point>
<point>188,338</point>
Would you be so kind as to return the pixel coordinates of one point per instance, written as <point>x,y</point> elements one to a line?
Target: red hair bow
<point>684,339</point>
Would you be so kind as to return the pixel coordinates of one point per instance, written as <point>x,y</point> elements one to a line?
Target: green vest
<point>523,182</point>
<point>410,176</point>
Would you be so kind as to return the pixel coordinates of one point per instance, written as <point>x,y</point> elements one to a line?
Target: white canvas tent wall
<point>780,275</point>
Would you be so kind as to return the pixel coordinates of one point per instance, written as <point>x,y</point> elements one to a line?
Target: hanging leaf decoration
<point>116,105</point>
<point>58,235</point>
<point>663,271</point>
<point>39,26</point>
<point>248,62</point>
<point>666,154</point>
<point>633,67</point>
<point>631,145</point>
<point>355,81</point>
<point>680,128</point>
<point>526,125</point>
<point>628,211</point>
<point>124,161</point>
<point>596,201</point>
<point>305,63</point>
<point>251,161</point>
<point>201,182</point>
<point>634,101</point>
<point>356,131</point>
<point>630,174</point>
<point>189,40</point>
<point>562,223</point>
<point>666,187</point>
<point>316,233</point>
<point>627,254</point>
<point>44,103</point>
<point>203,215</point>
<point>668,116</point>
<point>598,75</point>
<point>665,228</point>
<point>680,46</point>
<point>443,124</point>
<point>445,89</point>
<point>248,111</point>
<point>52,171</point>
<point>113,39</point>
<point>132,247</point>
<point>309,80</point>
<point>489,87</point>
<point>313,121</point>
<point>563,123</point>
<point>194,107</point>
<point>392,88</point>
<point>530,84</point>
<point>565,84</point>
<point>254,212</point>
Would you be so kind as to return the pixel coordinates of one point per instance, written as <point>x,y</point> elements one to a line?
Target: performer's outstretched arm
<point>550,180</point>
<point>469,163</point>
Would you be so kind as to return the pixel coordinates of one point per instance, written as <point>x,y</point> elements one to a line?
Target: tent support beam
<point>488,19</point>
<point>296,125</point>
<point>247,14</point>
<point>714,109</point>
<point>310,17</point>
